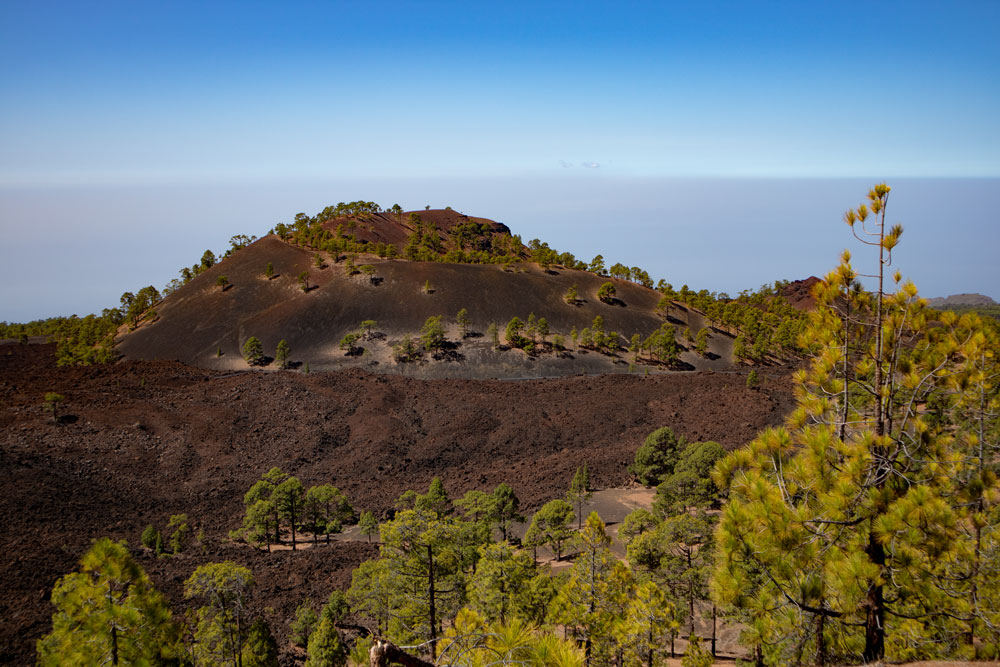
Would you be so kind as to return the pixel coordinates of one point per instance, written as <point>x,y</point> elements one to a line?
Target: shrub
<point>52,401</point>
<point>347,343</point>
<point>405,351</point>
<point>150,536</point>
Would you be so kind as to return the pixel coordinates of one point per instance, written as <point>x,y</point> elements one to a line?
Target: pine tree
<point>368,524</point>
<point>108,613</point>
<point>579,493</point>
<point>870,542</point>
<point>551,525</point>
<point>52,402</point>
<point>287,498</point>
<point>260,649</point>
<point>585,600</point>
<point>326,648</point>
<point>281,354</point>
<point>648,625</point>
<point>303,624</point>
<point>432,333</point>
<point>499,589</point>
<point>656,457</point>
<point>701,342</point>
<point>607,292</point>
<point>253,351</point>
<point>462,319</point>
<point>223,624</point>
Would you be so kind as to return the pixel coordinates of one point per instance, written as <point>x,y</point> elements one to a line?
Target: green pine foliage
<point>606,292</point>
<point>326,648</point>
<point>303,624</point>
<point>866,527</point>
<point>551,526</point>
<point>253,351</point>
<point>432,335</point>
<point>260,649</point>
<point>655,459</point>
<point>222,623</point>
<point>109,613</point>
<point>281,353</point>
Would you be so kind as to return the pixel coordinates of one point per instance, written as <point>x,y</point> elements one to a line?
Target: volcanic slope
<point>201,319</point>
<point>137,442</point>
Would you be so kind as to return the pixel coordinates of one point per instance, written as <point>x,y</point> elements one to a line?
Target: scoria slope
<point>200,320</point>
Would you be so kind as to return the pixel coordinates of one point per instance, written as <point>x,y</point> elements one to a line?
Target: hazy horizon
<point>716,144</point>
<point>88,244</point>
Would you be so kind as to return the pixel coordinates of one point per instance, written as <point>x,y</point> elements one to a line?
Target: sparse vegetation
<point>367,328</point>
<point>349,343</point>
<point>405,351</point>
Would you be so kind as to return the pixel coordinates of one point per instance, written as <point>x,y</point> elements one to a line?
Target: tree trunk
<point>820,640</point>
<point>875,607</point>
<point>430,598</point>
<point>715,616</point>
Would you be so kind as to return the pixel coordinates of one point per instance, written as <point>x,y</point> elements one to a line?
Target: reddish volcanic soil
<point>138,441</point>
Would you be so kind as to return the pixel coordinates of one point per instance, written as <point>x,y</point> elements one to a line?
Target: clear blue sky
<point>125,125</point>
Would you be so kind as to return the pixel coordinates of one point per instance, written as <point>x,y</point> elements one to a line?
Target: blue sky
<point>212,117</point>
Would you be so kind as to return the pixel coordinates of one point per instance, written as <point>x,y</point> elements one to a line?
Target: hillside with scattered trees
<point>844,510</point>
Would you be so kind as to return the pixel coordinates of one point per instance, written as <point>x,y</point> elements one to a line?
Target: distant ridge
<point>961,300</point>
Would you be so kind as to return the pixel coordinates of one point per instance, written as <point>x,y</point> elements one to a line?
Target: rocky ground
<point>137,441</point>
